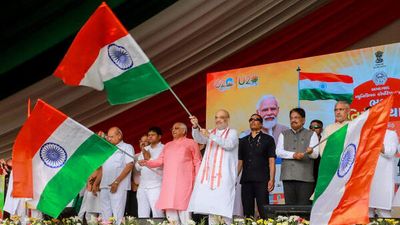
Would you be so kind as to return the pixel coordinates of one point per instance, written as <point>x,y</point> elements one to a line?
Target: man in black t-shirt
<point>257,159</point>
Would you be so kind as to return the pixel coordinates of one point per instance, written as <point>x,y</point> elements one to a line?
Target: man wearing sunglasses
<point>257,159</point>
<point>317,127</point>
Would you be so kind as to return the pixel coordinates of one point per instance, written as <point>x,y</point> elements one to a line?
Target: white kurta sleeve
<point>313,142</point>
<point>390,142</point>
<point>228,143</point>
<point>128,149</point>
<point>198,137</point>
<point>137,166</point>
<point>280,151</point>
<point>324,135</point>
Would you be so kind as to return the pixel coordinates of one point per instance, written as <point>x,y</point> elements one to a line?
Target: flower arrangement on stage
<point>16,220</point>
<point>129,220</point>
<point>280,220</point>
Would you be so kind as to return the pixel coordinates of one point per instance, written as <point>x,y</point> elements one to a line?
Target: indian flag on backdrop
<point>322,86</point>
<point>53,156</point>
<point>348,166</point>
<point>104,55</point>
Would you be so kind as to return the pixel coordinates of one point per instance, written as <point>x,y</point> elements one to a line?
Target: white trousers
<point>216,219</point>
<point>177,217</point>
<point>147,198</point>
<point>36,214</point>
<point>382,213</point>
<point>90,205</point>
<point>113,204</point>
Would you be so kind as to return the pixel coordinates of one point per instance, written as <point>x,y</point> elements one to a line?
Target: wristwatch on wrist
<point>116,182</point>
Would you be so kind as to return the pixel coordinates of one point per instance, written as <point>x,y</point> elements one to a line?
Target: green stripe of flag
<point>86,159</point>
<point>136,83</point>
<point>2,189</point>
<point>330,160</point>
<point>318,94</point>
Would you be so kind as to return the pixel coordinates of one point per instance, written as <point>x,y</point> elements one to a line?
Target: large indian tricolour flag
<point>323,86</point>
<point>53,156</point>
<point>347,168</point>
<point>104,55</point>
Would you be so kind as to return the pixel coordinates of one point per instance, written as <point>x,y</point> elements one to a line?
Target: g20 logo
<point>224,84</point>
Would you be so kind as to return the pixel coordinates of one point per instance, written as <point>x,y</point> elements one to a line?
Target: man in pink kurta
<point>181,160</point>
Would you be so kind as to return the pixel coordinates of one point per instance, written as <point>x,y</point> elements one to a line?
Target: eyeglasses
<point>339,109</point>
<point>255,119</point>
<point>315,127</point>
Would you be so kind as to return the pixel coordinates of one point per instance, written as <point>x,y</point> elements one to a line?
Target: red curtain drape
<point>329,29</point>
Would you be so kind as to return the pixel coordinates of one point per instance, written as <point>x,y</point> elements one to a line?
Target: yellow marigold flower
<point>15,218</point>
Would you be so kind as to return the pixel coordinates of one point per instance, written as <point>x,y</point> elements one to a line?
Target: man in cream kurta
<point>382,186</point>
<point>214,189</point>
<point>342,111</point>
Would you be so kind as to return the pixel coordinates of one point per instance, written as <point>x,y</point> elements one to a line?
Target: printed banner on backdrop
<point>365,76</point>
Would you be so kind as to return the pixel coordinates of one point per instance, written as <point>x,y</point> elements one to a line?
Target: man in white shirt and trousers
<point>115,181</point>
<point>214,188</point>
<point>150,179</point>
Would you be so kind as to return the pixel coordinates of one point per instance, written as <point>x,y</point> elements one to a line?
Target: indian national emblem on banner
<point>347,160</point>
<point>379,55</point>
<point>120,56</point>
<point>53,155</point>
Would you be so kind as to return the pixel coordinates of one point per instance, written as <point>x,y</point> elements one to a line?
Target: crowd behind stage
<point>221,173</point>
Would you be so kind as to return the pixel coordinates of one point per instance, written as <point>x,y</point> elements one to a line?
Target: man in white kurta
<point>115,181</point>
<point>214,189</point>
<point>150,178</point>
<point>382,186</point>
<point>91,201</point>
<point>342,112</point>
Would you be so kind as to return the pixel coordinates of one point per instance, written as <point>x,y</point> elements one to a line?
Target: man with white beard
<point>267,107</point>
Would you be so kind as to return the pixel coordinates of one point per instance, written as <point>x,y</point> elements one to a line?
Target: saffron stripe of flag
<point>326,77</point>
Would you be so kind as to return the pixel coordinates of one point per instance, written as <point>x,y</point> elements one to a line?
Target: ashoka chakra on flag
<point>53,155</point>
<point>120,56</point>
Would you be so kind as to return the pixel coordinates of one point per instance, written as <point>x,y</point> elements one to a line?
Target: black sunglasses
<point>315,127</point>
<point>255,119</point>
